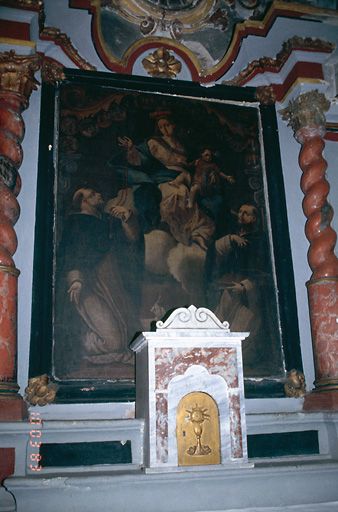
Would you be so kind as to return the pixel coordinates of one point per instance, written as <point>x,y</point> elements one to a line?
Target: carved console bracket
<point>295,384</point>
<point>39,392</point>
<point>266,95</point>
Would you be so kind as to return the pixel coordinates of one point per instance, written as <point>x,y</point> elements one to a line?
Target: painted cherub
<point>207,176</point>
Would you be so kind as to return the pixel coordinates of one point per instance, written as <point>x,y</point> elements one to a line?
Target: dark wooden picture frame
<point>154,194</point>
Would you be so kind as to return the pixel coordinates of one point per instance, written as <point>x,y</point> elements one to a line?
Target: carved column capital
<point>17,73</point>
<point>309,109</point>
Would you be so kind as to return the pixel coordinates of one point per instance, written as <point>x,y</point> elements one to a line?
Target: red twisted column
<point>16,84</point>
<point>307,117</point>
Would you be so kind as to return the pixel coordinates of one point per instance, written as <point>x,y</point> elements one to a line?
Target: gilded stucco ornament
<point>52,71</point>
<point>295,384</point>
<point>161,64</point>
<point>266,95</point>
<point>308,109</point>
<point>38,392</point>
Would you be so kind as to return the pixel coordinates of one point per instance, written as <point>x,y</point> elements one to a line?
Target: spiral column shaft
<point>16,84</point>
<point>307,117</point>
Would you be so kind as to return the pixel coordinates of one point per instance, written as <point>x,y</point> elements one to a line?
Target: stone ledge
<point>267,485</point>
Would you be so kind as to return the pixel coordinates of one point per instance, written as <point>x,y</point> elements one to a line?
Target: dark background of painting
<point>231,130</point>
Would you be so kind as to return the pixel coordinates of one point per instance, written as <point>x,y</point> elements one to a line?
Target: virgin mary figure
<point>158,172</point>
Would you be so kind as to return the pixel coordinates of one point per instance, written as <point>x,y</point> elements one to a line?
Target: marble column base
<point>7,463</point>
<point>12,405</point>
<point>323,302</point>
<point>321,401</point>
<point>13,409</point>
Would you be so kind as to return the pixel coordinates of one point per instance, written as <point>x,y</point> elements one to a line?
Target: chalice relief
<point>198,430</point>
<point>197,415</point>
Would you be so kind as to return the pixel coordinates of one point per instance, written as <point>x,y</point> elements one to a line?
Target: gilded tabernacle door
<point>197,433</point>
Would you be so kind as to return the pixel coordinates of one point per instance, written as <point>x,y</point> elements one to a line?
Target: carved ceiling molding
<point>30,5</point>
<point>124,62</point>
<point>242,30</point>
<point>62,40</point>
<point>191,16</point>
<point>274,65</point>
<point>50,33</point>
<point>134,11</point>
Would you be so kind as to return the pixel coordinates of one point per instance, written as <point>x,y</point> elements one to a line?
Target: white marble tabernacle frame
<point>191,351</point>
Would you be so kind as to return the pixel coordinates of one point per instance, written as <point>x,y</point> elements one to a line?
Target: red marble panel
<point>13,409</point>
<point>7,462</point>
<point>170,362</point>
<point>321,401</point>
<point>8,326</point>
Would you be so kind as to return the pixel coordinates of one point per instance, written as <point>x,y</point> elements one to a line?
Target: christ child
<point>207,176</point>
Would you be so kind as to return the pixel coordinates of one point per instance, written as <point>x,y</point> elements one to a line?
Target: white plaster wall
<point>299,245</point>
<point>77,23</point>
<point>25,232</point>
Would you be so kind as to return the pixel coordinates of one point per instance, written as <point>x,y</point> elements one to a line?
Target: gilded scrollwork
<point>295,42</point>
<point>63,40</point>
<point>295,384</point>
<point>161,64</point>
<point>147,25</point>
<point>39,392</point>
